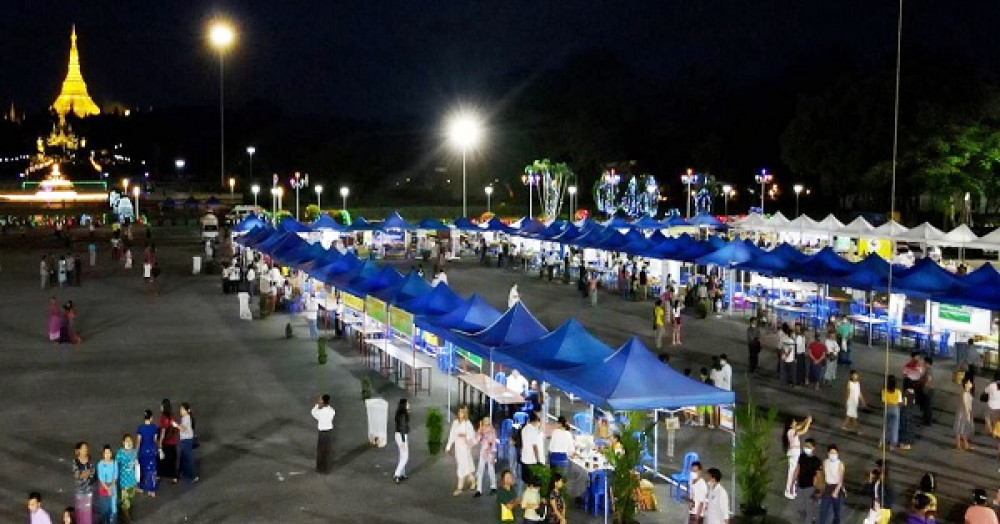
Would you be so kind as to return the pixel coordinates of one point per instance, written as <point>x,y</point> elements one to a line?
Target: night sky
<point>383,59</point>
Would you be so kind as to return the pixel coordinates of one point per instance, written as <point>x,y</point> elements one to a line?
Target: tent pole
<point>732,487</point>
<point>489,393</point>
<point>447,373</point>
<point>871,316</point>
<point>656,441</point>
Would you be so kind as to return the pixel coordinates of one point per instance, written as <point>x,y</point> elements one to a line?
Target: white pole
<point>465,211</point>
<point>447,373</point>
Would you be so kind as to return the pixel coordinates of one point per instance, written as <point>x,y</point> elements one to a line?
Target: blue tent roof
<point>693,251</point>
<point>325,221</point>
<point>570,345</point>
<point>705,219</point>
<point>386,277</point>
<point>251,221</point>
<point>395,221</point>
<point>465,224</point>
<point>587,224</point>
<point>925,280</point>
<point>568,235</point>
<point>212,201</point>
<point>472,315</point>
<point>496,225</point>
<point>328,272</point>
<point>438,301</point>
<point>824,267</point>
<point>289,224</point>
<point>979,290</point>
<point>770,262</point>
<point>432,224</point>
<point>360,224</point>
<point>675,221</point>
<point>358,273</point>
<point>633,378</point>
<point>531,228</point>
<point>279,241</point>
<point>870,274</point>
<point>618,223</point>
<point>256,236</point>
<point>303,254</point>
<point>647,222</point>
<point>191,202</point>
<point>789,252</point>
<point>410,287</point>
<point>734,252</point>
<point>612,240</point>
<point>516,326</point>
<point>168,203</point>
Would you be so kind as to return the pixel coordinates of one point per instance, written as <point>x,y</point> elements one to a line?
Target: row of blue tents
<point>924,280</point>
<point>569,357</point>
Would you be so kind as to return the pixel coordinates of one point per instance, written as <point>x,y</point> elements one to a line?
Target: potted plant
<point>623,480</point>
<point>435,431</point>
<point>366,387</point>
<point>754,436</point>
<point>321,350</point>
<point>288,330</point>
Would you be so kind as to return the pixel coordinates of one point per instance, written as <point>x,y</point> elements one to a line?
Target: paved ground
<point>252,390</point>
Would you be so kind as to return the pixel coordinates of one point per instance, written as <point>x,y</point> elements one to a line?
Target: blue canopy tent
<point>395,221</point>
<point>191,203</point>
<point>168,204</point>
<point>250,222</point>
<point>465,224</point>
<point>735,252</point>
<point>675,221</point>
<point>255,236</point>
<point>361,286</point>
<point>587,224</point>
<point>289,224</point>
<point>357,273</point>
<point>516,326</point>
<point>344,264</point>
<point>432,224</point>
<point>278,241</point>
<point>497,226</point>
<point>568,236</point>
<point>693,251</point>
<point>472,315</point>
<point>303,255</point>
<point>611,241</point>
<point>823,268</point>
<point>360,224</point>
<point>212,202</point>
<point>438,301</point>
<point>870,274</point>
<point>979,290</point>
<point>789,252</point>
<point>569,345</point>
<point>410,287</point>
<point>706,219</point>
<point>618,223</point>
<point>768,263</point>
<point>532,228</point>
<point>647,222</point>
<point>325,221</point>
<point>925,280</point>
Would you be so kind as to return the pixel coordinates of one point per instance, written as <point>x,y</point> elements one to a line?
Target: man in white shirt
<point>725,374</point>
<point>560,445</point>
<point>251,280</point>
<point>516,382</point>
<point>801,376</point>
<point>311,307</point>
<point>531,445</point>
<point>698,493</point>
<point>717,505</point>
<point>323,414</point>
<point>513,297</point>
<point>832,353</point>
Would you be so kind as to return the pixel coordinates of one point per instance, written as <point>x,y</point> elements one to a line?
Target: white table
<point>393,356</point>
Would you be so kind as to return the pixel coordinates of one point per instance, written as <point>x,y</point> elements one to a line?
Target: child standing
<point>853,397</point>
<point>676,322</point>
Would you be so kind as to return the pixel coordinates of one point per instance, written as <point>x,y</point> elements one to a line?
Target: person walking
<point>833,491</point>
<point>146,438</point>
<point>167,466</point>
<point>55,320</point>
<point>402,420</point>
<point>908,417</point>
<point>487,439</point>
<point>84,476</point>
<point>185,446</point>
<point>513,297</point>
<point>786,352</point>
<point>832,358</point>
<point>844,332</point>
<point>43,272</point>
<point>852,399</point>
<point>61,271</point>
<point>793,449</point>
<point>892,398</point>
<point>978,512</point>
<point>963,418</point>
<point>753,346</point>
<point>462,438</point>
<point>807,491</point>
<point>659,323</point>
<point>698,494</point>
<point>127,461</point>
<point>107,478</point>
<point>323,413</point>
<point>37,515</point>
<point>717,504</point>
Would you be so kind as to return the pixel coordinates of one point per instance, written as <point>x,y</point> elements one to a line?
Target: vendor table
<point>394,357</point>
<point>798,312</point>
<point>487,389</point>
<point>927,333</point>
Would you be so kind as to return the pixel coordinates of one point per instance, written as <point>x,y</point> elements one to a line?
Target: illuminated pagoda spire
<point>73,96</point>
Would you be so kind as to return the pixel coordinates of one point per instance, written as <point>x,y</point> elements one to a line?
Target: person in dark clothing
<point>402,439</point>
<point>753,346</point>
<point>925,392</point>
<point>806,490</point>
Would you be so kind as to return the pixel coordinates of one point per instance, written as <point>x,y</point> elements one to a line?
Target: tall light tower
<point>688,178</point>
<point>764,178</point>
<point>797,188</point>
<point>179,166</point>
<point>727,190</point>
<point>465,132</point>
<point>135,192</point>
<point>232,187</point>
<point>344,191</point>
<point>222,35</point>
<point>489,194</point>
<point>530,180</point>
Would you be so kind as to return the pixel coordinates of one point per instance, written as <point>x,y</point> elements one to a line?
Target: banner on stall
<point>727,419</point>
<point>351,301</point>
<point>375,309</point>
<point>474,360</point>
<point>401,321</point>
<point>954,313</point>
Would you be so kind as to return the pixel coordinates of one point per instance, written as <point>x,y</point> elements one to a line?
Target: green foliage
<point>321,350</point>
<point>288,330</point>
<point>435,431</point>
<point>366,387</point>
<point>702,307</point>
<point>543,474</point>
<point>754,438</point>
<point>623,480</point>
<point>311,212</point>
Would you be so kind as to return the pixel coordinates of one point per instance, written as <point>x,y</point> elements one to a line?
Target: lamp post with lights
<point>572,199</point>
<point>222,35</point>
<point>232,187</point>
<point>764,178</point>
<point>489,194</point>
<point>798,188</point>
<point>319,197</point>
<point>255,189</point>
<point>179,166</point>
<point>530,179</point>
<point>298,182</point>
<point>344,191</point>
<point>465,132</point>
<point>688,178</point>
<point>727,191</point>
<point>135,191</point>
<point>250,152</point>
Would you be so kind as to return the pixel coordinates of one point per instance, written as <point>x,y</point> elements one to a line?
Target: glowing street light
<point>250,151</point>
<point>727,191</point>
<point>125,185</point>
<point>298,182</point>
<point>489,194</point>
<point>319,197</point>
<point>764,178</point>
<point>797,188</point>
<point>572,199</point>
<point>221,34</point>
<point>344,191</point>
<point>465,132</point>
<point>530,179</point>
<point>232,187</point>
<point>255,189</point>
<point>135,192</point>
<point>688,178</point>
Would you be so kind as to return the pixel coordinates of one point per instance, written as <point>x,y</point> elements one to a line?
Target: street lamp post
<point>530,179</point>
<point>221,35</point>
<point>255,189</point>
<point>688,178</point>
<point>274,202</point>
<point>572,198</point>
<point>344,191</point>
<point>232,188</point>
<point>135,191</point>
<point>281,195</point>
<point>297,183</point>
<point>798,190</point>
<point>726,191</point>
<point>250,151</point>
<point>179,166</point>
<point>319,197</point>
<point>764,178</point>
<point>489,193</point>
<point>465,131</point>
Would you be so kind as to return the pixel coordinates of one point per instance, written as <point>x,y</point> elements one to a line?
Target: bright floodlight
<point>465,131</point>
<point>221,34</point>
<point>797,188</point>
<point>344,191</point>
<point>255,189</point>
<point>489,190</point>
<point>251,150</point>
<point>319,189</point>
<point>179,163</point>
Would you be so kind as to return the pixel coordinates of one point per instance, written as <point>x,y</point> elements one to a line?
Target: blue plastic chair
<point>503,439</point>
<point>680,481</point>
<point>520,418</point>
<point>596,497</point>
<point>943,343</point>
<point>529,403</point>
<point>501,378</point>
<point>645,457</point>
<point>583,423</point>
<point>895,334</point>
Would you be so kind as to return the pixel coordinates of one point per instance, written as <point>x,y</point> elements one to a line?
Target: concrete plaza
<point>252,389</point>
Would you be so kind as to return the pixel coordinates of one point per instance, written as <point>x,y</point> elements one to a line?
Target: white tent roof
<point>801,223</point>
<point>890,230</point>
<point>829,225</point>
<point>858,227</point>
<point>991,238</point>
<point>923,233</point>
<point>778,220</point>
<point>961,235</point>
<point>752,222</point>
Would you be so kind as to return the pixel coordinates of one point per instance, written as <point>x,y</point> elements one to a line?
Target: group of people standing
<point>62,272</point>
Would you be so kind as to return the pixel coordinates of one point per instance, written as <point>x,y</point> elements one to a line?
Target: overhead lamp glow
<point>465,131</point>
<point>221,34</point>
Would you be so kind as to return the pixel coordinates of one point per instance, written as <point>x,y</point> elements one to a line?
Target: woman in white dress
<point>462,438</point>
<point>793,448</point>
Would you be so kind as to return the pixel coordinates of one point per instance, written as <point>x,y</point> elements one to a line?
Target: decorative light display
<point>550,179</point>
<point>640,196</point>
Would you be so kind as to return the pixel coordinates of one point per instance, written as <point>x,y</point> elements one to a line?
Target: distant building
<point>74,97</point>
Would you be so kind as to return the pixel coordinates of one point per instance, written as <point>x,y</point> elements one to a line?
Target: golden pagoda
<point>73,96</point>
